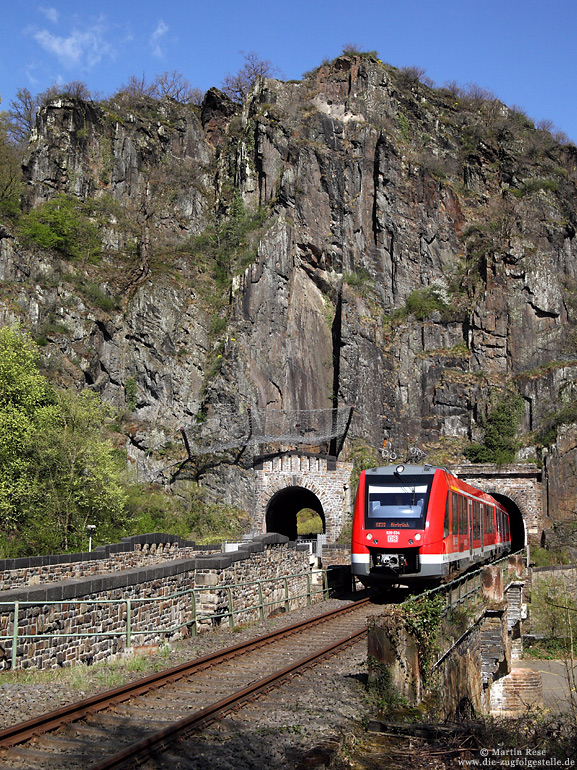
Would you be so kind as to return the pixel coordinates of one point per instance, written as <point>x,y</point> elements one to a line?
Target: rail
<point>127,612</point>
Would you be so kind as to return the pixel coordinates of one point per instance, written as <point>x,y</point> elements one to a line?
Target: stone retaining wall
<point>562,575</point>
<point>468,670</point>
<point>84,604</point>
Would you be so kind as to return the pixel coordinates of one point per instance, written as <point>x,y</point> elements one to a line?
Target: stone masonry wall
<point>471,667</point>
<point>161,602</point>
<point>564,575</point>
<point>132,552</point>
<point>522,483</point>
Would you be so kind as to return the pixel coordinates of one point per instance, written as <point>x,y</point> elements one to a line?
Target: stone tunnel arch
<point>283,507</point>
<point>516,520</point>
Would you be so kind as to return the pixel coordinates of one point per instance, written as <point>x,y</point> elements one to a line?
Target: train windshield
<point>397,503</point>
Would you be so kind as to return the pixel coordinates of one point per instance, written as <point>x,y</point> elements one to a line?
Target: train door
<point>470,517</point>
<point>482,526</point>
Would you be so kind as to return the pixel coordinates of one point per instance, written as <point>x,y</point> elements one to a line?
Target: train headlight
<point>418,536</point>
<point>369,536</point>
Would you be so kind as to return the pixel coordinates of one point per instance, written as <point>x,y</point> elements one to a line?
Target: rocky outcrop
<point>415,255</point>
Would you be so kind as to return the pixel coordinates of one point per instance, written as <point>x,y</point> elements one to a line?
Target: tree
<point>11,183</point>
<point>57,470</point>
<point>62,224</point>
<point>78,476</point>
<point>24,108</point>
<point>175,86</point>
<point>172,85</point>
<point>237,86</point>
<point>23,391</point>
<point>22,116</point>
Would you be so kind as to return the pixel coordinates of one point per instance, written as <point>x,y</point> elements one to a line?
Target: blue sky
<point>522,50</point>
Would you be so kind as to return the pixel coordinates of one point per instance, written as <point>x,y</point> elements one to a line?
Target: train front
<point>393,524</point>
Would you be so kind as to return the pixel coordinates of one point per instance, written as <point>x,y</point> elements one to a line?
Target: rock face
<point>414,256</point>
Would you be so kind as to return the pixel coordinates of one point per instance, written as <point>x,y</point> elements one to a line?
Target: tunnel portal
<point>518,529</point>
<point>283,507</point>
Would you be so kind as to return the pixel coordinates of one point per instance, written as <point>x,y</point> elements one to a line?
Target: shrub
<point>499,444</point>
<point>62,225</point>
<point>422,303</point>
<point>566,415</point>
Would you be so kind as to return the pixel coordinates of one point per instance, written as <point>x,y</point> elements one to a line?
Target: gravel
<point>302,725</point>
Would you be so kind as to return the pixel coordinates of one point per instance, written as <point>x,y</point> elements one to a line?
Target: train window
<point>476,519</point>
<point>447,516</point>
<point>394,503</point>
<point>463,516</point>
<point>455,511</point>
<point>491,516</point>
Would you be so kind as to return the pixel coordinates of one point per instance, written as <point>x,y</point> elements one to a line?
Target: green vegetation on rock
<point>500,433</point>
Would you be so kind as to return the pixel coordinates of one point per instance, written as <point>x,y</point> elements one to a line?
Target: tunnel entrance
<point>283,507</point>
<point>518,529</point>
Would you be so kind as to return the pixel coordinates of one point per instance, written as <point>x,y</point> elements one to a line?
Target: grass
<point>104,675</point>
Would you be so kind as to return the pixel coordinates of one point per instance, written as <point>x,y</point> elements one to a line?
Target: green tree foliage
<point>309,522</point>
<point>63,224</point>
<point>78,476</point>
<point>57,471</point>
<point>499,443</point>
<point>23,392</point>
<point>227,244</point>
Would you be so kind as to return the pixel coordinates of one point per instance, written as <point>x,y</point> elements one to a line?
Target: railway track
<point>121,728</point>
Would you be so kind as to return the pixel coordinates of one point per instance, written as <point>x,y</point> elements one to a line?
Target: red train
<point>418,524</point>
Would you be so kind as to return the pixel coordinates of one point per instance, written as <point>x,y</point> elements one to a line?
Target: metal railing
<point>127,612</point>
<point>460,590</point>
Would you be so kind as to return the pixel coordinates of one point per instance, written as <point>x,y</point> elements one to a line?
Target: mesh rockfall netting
<point>266,426</point>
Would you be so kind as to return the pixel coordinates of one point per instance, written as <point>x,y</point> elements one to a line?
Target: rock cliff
<point>354,238</point>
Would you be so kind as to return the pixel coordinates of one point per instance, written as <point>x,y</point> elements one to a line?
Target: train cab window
<point>446,525</point>
<point>398,503</point>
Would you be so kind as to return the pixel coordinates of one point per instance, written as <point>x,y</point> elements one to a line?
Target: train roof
<point>390,470</point>
<point>453,482</point>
